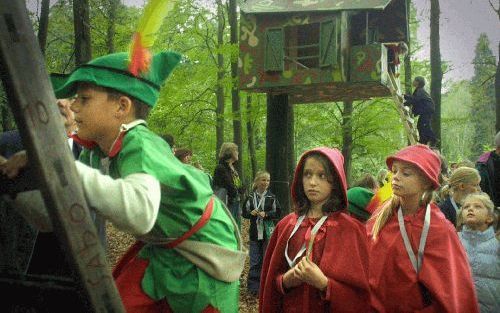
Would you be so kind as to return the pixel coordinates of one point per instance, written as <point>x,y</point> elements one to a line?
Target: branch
<point>487,79</point>
<point>494,9</point>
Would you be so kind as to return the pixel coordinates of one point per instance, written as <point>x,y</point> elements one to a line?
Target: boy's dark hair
<point>169,139</point>
<point>181,153</point>
<point>335,203</point>
<point>141,109</point>
<point>367,181</point>
<point>420,80</point>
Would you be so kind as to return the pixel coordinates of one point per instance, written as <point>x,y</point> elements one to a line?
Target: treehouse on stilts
<point>306,51</point>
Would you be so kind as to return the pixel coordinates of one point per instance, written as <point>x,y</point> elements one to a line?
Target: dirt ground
<point>118,243</point>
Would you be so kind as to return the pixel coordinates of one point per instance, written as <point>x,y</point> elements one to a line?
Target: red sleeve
<point>273,266</point>
<point>348,289</point>
<point>446,273</point>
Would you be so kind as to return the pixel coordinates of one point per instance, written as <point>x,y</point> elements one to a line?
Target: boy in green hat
<point>188,257</point>
<point>359,198</point>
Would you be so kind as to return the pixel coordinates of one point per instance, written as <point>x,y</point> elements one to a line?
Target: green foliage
<point>482,109</point>
<point>377,131</point>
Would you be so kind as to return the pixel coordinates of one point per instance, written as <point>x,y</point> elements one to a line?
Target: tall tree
<point>235,92</point>
<point>347,137</point>
<point>436,70</point>
<point>219,111</point>
<point>81,20</point>
<point>483,96</point>
<point>497,76</point>
<point>251,135</point>
<point>112,6</point>
<point>43,26</point>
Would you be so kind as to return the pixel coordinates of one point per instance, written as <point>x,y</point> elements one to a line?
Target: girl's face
<point>407,180</point>
<point>466,188</point>
<point>317,186</point>
<point>263,183</point>
<point>235,155</point>
<point>476,215</point>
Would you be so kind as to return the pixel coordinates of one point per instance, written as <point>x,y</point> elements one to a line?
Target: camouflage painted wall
<point>252,52</point>
<point>369,63</point>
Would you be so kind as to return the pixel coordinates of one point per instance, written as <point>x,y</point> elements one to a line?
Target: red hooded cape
<point>341,254</point>
<point>445,271</point>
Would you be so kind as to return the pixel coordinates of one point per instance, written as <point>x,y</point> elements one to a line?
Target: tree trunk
<point>278,149</point>
<point>83,47</point>
<point>235,92</point>
<point>44,25</point>
<point>408,55</point>
<point>436,71</point>
<point>251,136</point>
<point>291,142</point>
<point>347,138</point>
<point>219,111</point>
<point>497,92</point>
<point>110,34</point>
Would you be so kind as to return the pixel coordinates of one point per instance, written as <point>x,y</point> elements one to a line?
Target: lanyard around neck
<point>259,205</point>
<point>302,249</point>
<point>417,263</point>
<point>454,204</point>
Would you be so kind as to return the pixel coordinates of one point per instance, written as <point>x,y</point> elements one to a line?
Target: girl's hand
<point>262,214</point>
<point>308,272</point>
<point>254,212</point>
<point>290,280</point>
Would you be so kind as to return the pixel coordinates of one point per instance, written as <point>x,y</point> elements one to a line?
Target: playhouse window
<point>301,46</point>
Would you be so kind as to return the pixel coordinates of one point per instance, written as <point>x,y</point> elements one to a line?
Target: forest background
<point>197,107</point>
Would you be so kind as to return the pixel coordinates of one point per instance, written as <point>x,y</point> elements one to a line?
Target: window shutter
<point>274,53</point>
<point>328,44</point>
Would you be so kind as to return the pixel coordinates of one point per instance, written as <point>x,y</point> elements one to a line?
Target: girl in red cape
<point>316,260</point>
<point>417,263</point>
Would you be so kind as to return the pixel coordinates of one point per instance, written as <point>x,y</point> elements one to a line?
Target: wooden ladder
<point>32,101</point>
<point>404,111</point>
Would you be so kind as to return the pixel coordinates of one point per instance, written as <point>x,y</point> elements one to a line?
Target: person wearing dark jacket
<point>260,207</point>
<point>226,181</point>
<point>488,166</point>
<point>422,106</point>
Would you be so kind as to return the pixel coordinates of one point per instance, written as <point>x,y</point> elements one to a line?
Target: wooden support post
<point>32,101</point>
<point>279,148</point>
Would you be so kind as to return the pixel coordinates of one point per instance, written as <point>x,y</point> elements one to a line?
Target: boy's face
<point>476,215</point>
<point>95,114</point>
<point>407,181</point>
<point>315,181</point>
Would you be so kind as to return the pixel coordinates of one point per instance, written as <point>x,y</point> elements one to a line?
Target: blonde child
<point>260,207</point>
<point>316,260</point>
<point>417,263</point>
<point>483,249</point>
<point>463,181</point>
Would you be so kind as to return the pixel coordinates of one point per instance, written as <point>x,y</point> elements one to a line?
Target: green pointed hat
<point>111,71</point>
<point>358,198</point>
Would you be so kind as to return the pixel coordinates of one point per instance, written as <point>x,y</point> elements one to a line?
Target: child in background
<point>359,198</point>
<point>417,263</point>
<point>260,207</point>
<point>462,182</point>
<point>483,249</point>
<point>316,260</point>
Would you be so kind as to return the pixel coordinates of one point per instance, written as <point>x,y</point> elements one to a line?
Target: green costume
<point>185,192</point>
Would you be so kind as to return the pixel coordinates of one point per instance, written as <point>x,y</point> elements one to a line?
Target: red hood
<point>337,161</point>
